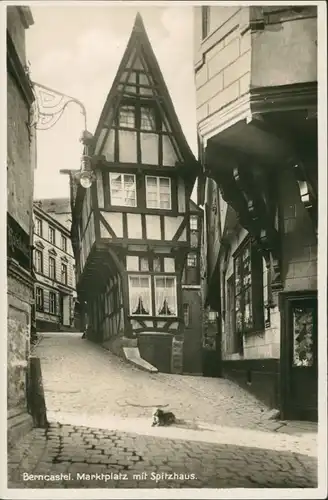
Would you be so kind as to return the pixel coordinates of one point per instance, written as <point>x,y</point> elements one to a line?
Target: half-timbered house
<point>131,230</point>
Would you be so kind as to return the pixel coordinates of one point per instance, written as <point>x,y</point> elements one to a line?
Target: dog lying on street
<point>163,418</point>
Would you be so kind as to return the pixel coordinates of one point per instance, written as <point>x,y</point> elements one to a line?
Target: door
<point>299,358</point>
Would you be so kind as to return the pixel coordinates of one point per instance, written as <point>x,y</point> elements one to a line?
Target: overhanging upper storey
<point>138,127</point>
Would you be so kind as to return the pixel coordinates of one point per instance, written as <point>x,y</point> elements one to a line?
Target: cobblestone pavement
<point>82,457</point>
<point>82,377</point>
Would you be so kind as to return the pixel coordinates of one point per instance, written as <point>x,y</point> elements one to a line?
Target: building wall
<point>223,59</point>
<point>45,319</point>
<point>192,343</point>
<point>20,174</point>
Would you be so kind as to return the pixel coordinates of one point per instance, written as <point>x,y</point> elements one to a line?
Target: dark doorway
<point>299,357</point>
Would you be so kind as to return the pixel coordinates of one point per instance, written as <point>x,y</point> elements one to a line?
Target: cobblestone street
<point>100,408</point>
<point>68,456</point>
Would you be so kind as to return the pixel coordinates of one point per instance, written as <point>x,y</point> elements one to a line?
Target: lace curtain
<point>139,293</point>
<point>165,296</point>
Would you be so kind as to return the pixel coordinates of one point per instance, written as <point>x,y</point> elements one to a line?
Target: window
<point>123,190</point>
<point>165,296</point>
<point>205,21</point>
<point>158,192</point>
<point>52,235</point>
<point>148,119</point>
<point>38,227</point>
<point>157,264</point>
<point>192,260</point>
<point>64,273</point>
<point>193,222</point>
<point>64,243</point>
<point>127,117</point>
<point>39,299</point>
<point>52,268</point>
<point>186,314</point>
<point>140,295</point>
<point>248,290</point>
<point>144,264</point>
<point>38,261</point>
<point>52,303</point>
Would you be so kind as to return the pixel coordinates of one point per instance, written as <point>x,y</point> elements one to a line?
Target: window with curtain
<point>158,192</point>
<point>127,117</point>
<point>192,260</point>
<point>140,295</point>
<point>193,222</point>
<point>64,243</point>
<point>165,296</point>
<point>248,289</point>
<point>123,190</point>
<point>39,299</point>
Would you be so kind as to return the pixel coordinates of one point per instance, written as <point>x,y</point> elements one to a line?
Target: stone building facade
<point>54,268</point>
<point>21,162</point>
<point>256,80</point>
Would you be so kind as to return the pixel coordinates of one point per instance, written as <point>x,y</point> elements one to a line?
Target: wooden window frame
<point>38,226</point>
<point>52,235</point>
<point>123,174</point>
<point>167,276</point>
<point>52,259</point>
<point>255,288</point>
<point>143,276</point>
<point>39,305</point>
<point>52,310</point>
<point>63,243</point>
<point>64,270</point>
<point>205,13</point>
<point>158,178</point>
<point>37,253</point>
<point>193,219</point>
<point>186,312</point>
<point>192,255</point>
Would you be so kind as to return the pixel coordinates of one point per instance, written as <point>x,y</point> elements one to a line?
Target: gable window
<point>192,260</point>
<point>158,192</point>
<point>248,289</point>
<point>64,243</point>
<point>148,119</point>
<point>52,235</point>
<point>52,303</point>
<point>127,117</point>
<point>123,190</point>
<point>64,273</point>
<point>157,264</point>
<point>205,21</point>
<point>39,299</point>
<point>38,261</point>
<point>140,295</point>
<point>165,296</point>
<point>52,268</point>
<point>38,226</point>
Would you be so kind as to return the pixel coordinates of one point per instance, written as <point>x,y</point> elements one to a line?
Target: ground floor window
<point>165,296</point>
<point>39,299</point>
<point>140,295</point>
<point>52,303</point>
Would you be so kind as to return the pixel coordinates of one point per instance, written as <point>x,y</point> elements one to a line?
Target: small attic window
<point>148,119</point>
<point>127,116</point>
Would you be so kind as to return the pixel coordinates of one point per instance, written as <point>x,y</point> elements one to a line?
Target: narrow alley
<point>100,435</point>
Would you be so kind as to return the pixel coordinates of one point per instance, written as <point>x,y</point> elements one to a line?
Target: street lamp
<point>49,107</point>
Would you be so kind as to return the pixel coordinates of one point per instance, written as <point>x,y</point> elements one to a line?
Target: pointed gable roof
<point>140,50</point>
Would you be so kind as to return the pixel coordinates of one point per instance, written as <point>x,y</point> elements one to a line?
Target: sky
<point>77,49</point>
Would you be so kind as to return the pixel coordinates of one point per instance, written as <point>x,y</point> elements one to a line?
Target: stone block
<point>201,76</point>
<point>202,112</point>
<point>210,89</point>
<point>244,83</point>
<point>227,95</point>
<point>234,71</point>
<point>223,58</point>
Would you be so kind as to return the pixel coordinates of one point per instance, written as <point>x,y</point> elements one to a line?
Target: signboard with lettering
<point>18,243</point>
